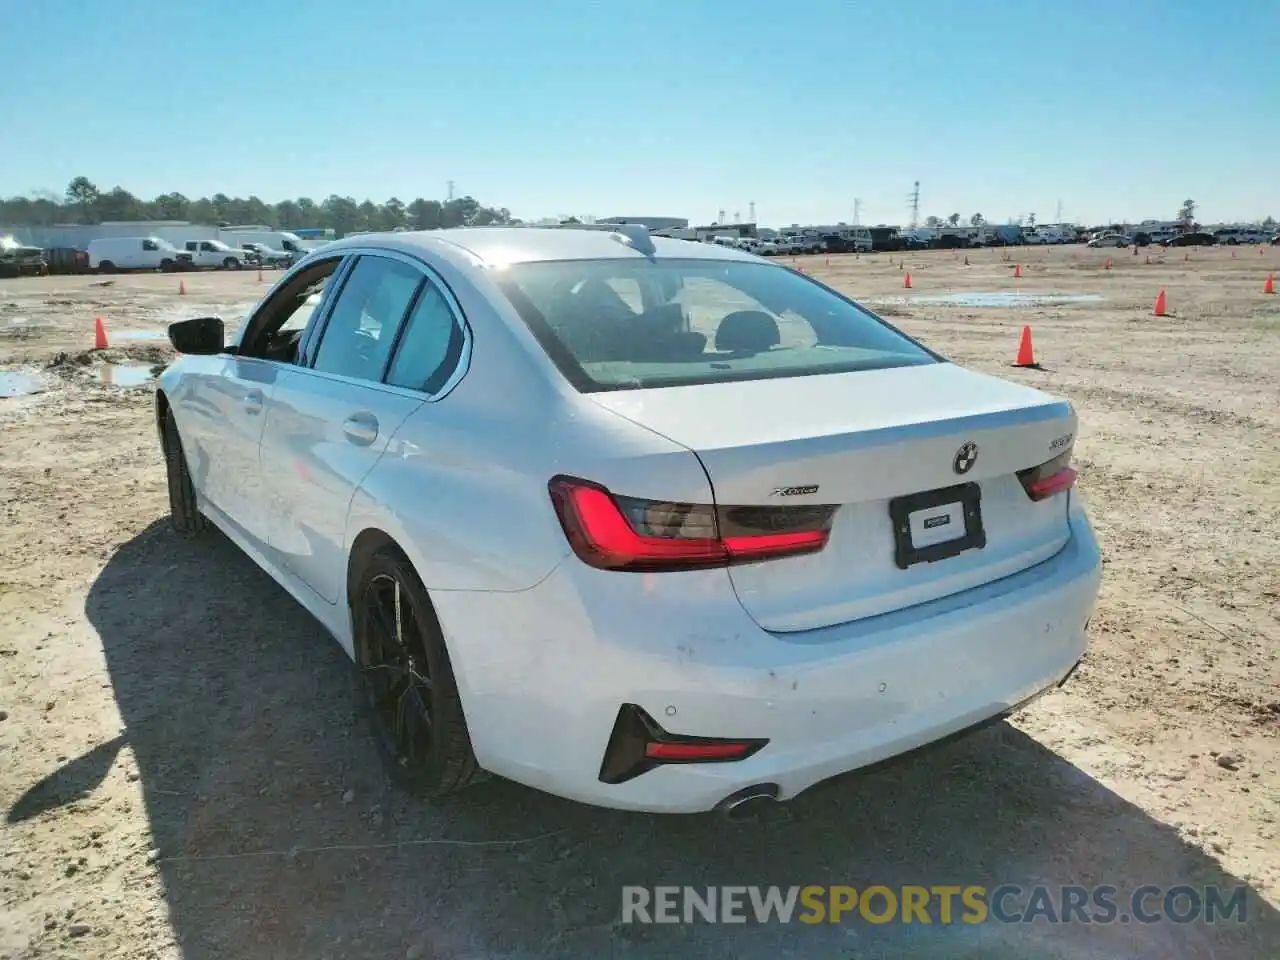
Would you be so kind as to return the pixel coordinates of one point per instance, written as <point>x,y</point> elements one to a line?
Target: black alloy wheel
<point>407,681</point>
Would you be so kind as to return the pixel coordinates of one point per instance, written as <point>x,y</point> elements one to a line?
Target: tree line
<point>84,203</point>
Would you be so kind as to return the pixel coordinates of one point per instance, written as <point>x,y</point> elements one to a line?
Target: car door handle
<point>361,428</point>
<point>253,401</point>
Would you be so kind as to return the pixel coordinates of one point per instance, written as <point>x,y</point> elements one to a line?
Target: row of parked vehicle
<point>118,254</point>
<point>795,245</point>
<point>113,254</point>
<point>1193,238</point>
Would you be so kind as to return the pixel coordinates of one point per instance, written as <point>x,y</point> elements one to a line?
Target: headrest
<point>747,331</point>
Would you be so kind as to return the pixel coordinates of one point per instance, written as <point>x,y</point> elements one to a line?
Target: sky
<point>1116,111</point>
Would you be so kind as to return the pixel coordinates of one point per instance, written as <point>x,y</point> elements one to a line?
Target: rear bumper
<point>543,673</point>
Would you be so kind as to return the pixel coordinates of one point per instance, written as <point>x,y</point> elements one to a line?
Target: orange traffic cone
<point>1148,258</point>
<point>182,288</point>
<point>1160,305</point>
<point>966,259</point>
<point>906,281</point>
<point>1026,356</point>
<point>1017,270</point>
<point>1186,258</point>
<point>1233,253</point>
<point>259,274</point>
<point>1107,265</point>
<point>99,335</point>
<point>1270,285</point>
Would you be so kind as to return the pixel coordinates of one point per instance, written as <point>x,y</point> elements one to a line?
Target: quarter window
<point>430,345</point>
<point>361,328</point>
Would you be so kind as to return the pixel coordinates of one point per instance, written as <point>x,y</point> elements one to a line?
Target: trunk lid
<point>864,440</point>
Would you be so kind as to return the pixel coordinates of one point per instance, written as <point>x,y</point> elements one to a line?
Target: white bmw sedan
<point>651,524</point>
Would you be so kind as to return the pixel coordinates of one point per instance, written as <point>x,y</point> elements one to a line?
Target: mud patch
<point>65,363</point>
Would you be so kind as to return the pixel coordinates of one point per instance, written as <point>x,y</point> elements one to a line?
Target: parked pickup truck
<point>264,256</point>
<point>216,255</point>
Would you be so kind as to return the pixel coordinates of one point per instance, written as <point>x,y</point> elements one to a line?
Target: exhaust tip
<point>750,803</point>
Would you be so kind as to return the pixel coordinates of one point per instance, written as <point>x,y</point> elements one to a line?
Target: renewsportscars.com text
<point>937,904</point>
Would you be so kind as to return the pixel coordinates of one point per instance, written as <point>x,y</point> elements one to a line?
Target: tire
<point>231,263</point>
<point>106,266</point>
<point>185,516</point>
<point>447,764</point>
<point>166,265</point>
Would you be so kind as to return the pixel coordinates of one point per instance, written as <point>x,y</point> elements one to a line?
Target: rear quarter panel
<point>462,486</point>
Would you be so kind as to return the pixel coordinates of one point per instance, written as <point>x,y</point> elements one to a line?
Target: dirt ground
<point>186,774</point>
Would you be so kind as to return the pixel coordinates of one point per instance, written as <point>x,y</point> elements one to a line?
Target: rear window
<point>631,324</point>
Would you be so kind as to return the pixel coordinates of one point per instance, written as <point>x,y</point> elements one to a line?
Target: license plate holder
<point>967,497</point>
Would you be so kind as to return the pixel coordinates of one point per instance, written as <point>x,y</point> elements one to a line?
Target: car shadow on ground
<point>278,836</point>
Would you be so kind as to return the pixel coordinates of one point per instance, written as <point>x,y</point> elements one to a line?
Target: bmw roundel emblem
<point>966,457</point>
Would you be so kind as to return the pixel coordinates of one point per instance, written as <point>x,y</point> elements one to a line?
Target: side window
<point>430,346</point>
<point>206,245</point>
<point>190,245</point>
<point>358,335</point>
<point>150,245</point>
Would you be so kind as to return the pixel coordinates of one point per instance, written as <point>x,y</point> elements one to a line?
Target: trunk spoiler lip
<point>1051,410</point>
<point>1029,406</point>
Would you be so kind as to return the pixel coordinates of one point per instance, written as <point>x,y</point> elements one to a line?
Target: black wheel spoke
<point>395,672</point>
<point>394,692</point>
<point>381,618</point>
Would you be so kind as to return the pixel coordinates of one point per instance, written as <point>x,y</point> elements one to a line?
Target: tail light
<point>626,533</point>
<point>1049,478</point>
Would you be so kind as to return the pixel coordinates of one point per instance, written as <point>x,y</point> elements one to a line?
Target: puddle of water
<point>1005,298</point>
<point>20,384</point>
<point>124,374</point>
<point>137,334</point>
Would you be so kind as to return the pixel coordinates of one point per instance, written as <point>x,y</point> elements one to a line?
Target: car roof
<point>506,245</point>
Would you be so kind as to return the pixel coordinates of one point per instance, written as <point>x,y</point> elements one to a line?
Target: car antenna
<point>634,235</point>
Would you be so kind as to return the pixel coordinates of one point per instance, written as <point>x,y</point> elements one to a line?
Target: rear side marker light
<point>613,532</point>
<point>638,745</point>
<point>1050,478</point>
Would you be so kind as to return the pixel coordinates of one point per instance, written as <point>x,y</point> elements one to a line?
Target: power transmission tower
<point>1058,219</point>
<point>720,216</point>
<point>450,191</point>
<point>857,210</point>
<point>914,197</point>
<point>751,211</point>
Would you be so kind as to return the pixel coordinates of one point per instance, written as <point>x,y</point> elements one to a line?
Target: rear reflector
<point>626,533</point>
<point>694,752</point>
<point>1049,478</point>
<point>638,745</point>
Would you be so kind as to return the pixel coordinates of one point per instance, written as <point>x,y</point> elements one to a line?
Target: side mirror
<point>202,336</point>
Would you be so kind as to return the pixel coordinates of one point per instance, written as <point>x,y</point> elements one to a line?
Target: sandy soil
<point>185,772</point>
